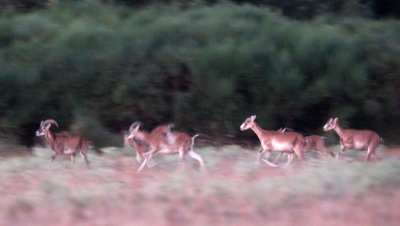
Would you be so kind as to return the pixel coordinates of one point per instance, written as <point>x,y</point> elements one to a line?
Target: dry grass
<point>234,191</point>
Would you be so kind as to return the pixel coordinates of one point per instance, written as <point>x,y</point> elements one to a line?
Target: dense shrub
<point>204,68</point>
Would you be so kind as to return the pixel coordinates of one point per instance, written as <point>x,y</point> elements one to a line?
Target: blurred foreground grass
<point>234,190</point>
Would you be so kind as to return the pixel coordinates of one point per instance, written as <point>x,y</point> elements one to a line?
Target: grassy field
<point>234,190</point>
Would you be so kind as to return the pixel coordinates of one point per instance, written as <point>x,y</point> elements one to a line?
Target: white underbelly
<point>69,151</point>
<point>359,145</point>
<point>164,149</point>
<point>279,146</point>
<point>171,138</point>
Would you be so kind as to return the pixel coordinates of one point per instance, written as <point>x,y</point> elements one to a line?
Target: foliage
<point>298,9</point>
<point>204,68</point>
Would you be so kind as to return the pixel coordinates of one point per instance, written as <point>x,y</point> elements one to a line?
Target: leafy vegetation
<point>298,9</point>
<point>204,68</point>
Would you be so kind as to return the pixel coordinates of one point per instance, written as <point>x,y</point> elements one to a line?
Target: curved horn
<point>134,124</point>
<point>50,121</point>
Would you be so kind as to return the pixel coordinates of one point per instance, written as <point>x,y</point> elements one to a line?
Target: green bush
<point>205,68</point>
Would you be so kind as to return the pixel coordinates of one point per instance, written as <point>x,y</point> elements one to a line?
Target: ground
<point>234,190</point>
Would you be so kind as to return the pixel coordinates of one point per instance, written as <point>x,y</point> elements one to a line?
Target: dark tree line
<point>299,9</point>
<point>96,68</point>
